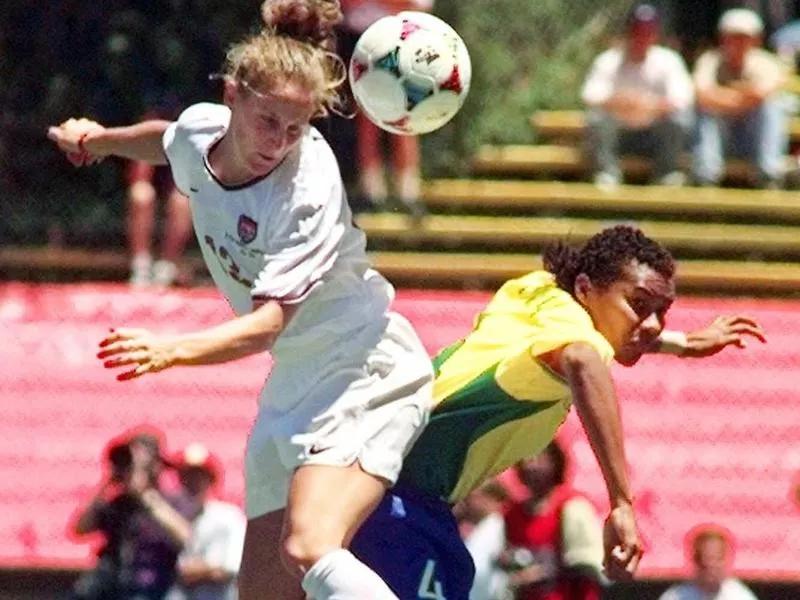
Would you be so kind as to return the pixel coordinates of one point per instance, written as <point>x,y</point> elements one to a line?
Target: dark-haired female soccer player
<point>543,343</point>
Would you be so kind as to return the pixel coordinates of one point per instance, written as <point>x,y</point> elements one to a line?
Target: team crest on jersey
<point>247,229</point>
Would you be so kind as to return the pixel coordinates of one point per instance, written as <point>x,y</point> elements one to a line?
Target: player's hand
<point>69,136</point>
<point>139,349</point>
<point>622,547</point>
<point>721,333</point>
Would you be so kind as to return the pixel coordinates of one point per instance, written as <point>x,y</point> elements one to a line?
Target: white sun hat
<point>742,21</point>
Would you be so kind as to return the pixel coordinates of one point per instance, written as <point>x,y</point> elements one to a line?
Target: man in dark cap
<point>639,96</point>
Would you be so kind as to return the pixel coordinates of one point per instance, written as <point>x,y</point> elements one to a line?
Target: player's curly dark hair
<point>603,257</point>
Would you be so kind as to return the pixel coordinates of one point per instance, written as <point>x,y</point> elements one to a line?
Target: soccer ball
<point>410,73</point>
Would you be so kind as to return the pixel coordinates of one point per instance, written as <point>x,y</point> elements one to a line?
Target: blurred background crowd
<point>162,532</point>
<point>648,94</point>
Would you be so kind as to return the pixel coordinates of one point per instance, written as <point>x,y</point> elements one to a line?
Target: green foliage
<point>527,55</point>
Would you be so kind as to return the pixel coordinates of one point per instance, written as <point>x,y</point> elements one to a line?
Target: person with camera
<point>554,537</point>
<point>144,527</point>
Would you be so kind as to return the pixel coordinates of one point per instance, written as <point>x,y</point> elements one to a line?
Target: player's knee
<point>246,586</point>
<point>301,549</point>
<point>142,193</point>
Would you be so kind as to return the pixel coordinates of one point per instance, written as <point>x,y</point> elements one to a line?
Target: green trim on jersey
<point>436,461</point>
<point>444,354</point>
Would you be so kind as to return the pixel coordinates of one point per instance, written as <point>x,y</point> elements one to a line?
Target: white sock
<point>373,185</point>
<point>341,576</point>
<point>164,273</point>
<point>408,186</point>
<point>140,270</point>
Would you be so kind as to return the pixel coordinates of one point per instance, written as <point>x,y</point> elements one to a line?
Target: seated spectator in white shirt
<point>712,553</point>
<point>740,109</point>
<point>209,563</point>
<point>639,98</point>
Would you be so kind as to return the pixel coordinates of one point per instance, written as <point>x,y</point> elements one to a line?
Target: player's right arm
<point>596,402</point>
<point>142,141</point>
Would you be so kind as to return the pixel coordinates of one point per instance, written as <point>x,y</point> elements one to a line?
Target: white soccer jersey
<point>288,236</point>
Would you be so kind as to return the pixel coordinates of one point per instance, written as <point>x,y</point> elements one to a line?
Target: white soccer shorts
<point>362,404</point>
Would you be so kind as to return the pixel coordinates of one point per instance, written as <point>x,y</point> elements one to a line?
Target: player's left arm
<point>145,352</point>
<point>711,339</point>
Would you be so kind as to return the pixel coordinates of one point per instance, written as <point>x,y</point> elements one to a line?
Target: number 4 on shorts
<point>429,588</point>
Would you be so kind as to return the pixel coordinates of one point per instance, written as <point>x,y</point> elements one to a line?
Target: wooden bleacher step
<point>469,194</point>
<point>489,270</point>
<point>570,125</point>
<point>534,232</point>
<point>540,160</point>
<point>455,270</point>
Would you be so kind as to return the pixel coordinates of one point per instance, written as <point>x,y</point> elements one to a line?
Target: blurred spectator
<point>209,563</point>
<point>405,152</point>
<point>555,545</point>
<point>144,181</point>
<point>639,98</point>
<point>786,42</point>
<point>775,13</point>
<point>144,527</point>
<point>711,549</point>
<point>740,109</point>
<point>482,527</point>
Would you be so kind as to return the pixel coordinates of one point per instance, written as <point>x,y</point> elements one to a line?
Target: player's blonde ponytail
<point>311,21</point>
<point>296,44</point>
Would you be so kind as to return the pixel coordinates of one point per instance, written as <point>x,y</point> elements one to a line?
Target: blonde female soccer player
<point>351,384</point>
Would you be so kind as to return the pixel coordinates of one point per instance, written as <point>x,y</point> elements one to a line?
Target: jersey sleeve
<point>562,321</point>
<point>307,240</point>
<point>183,156</point>
<point>581,535</point>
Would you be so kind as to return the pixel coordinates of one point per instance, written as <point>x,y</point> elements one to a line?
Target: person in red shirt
<point>554,536</point>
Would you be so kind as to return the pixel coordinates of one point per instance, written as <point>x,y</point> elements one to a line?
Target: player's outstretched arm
<point>712,339</point>
<point>596,403</point>
<point>144,352</point>
<point>86,141</point>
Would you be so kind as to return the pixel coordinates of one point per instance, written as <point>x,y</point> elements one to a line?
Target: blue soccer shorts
<point>412,542</point>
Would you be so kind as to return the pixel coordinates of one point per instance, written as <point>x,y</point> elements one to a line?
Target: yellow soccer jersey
<point>494,401</point>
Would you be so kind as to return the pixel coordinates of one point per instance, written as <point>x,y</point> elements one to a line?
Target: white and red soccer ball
<point>410,73</point>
